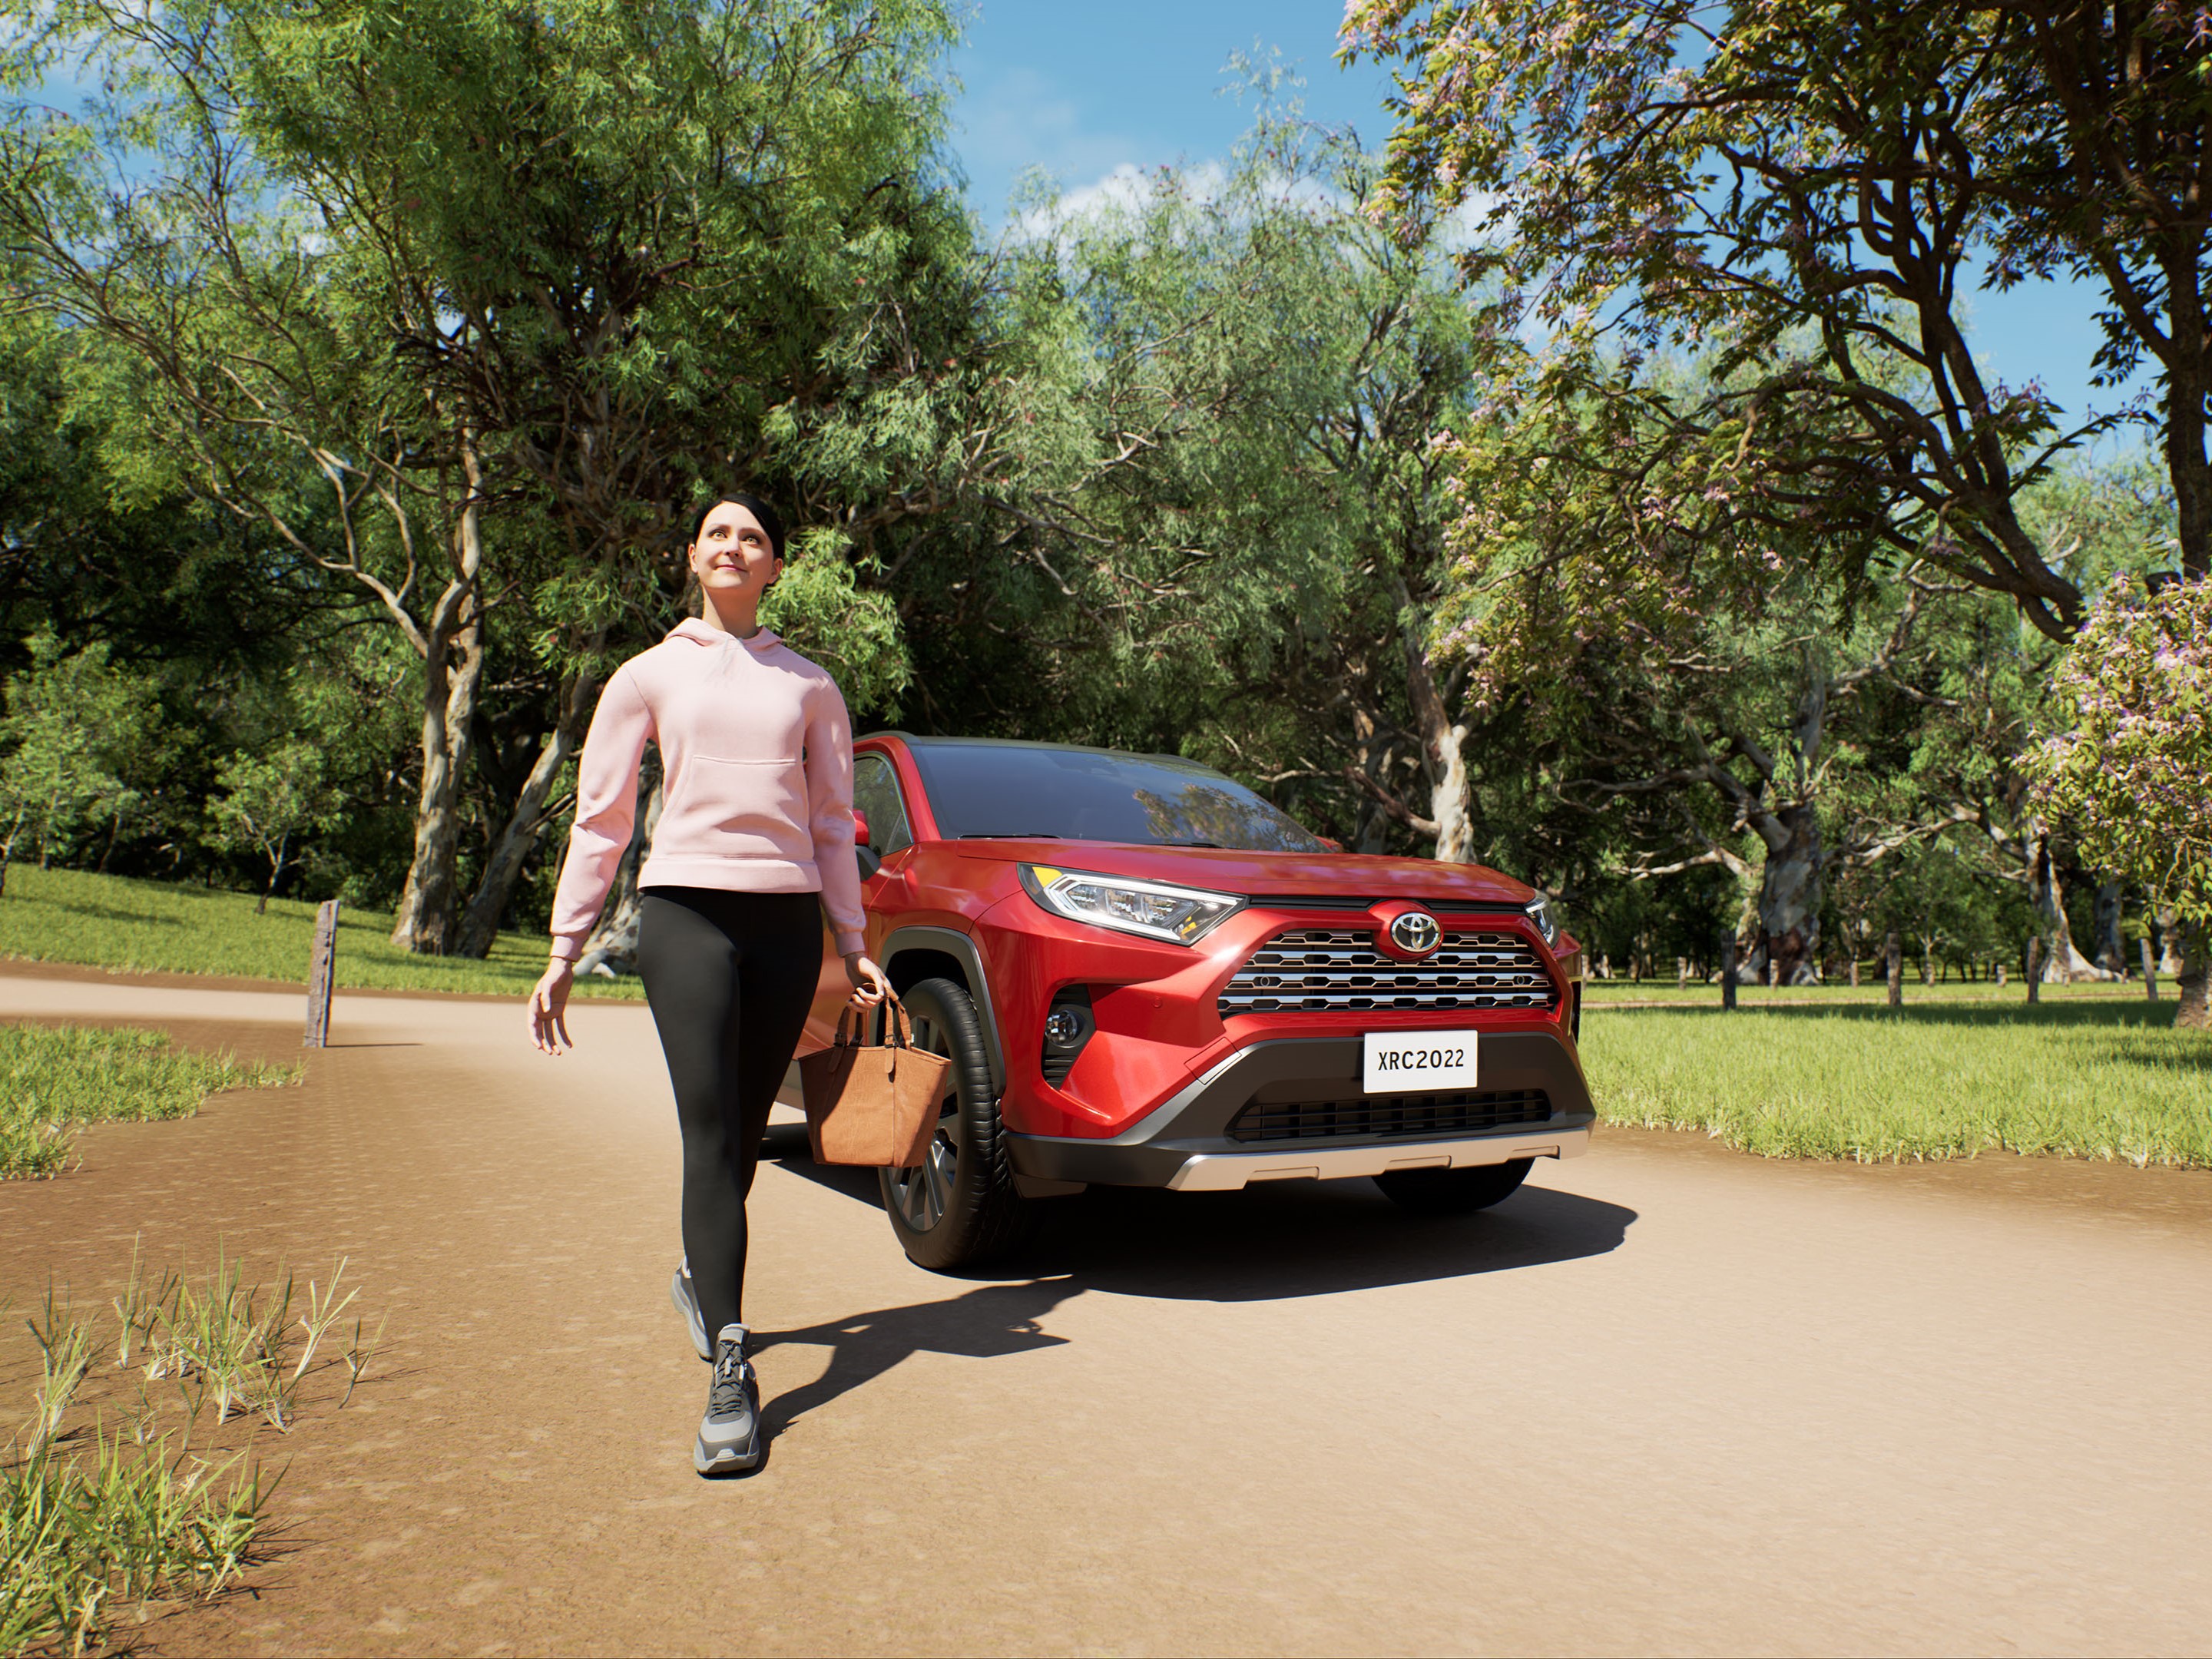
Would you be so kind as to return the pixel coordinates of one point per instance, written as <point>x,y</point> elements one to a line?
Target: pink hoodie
<point>757,750</point>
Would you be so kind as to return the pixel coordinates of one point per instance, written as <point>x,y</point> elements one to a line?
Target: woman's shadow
<point>987,1322</point>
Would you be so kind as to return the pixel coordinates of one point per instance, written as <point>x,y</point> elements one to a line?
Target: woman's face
<point>732,555</point>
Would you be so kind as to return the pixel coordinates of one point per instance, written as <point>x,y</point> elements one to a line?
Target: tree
<point>461,304</point>
<point>1709,687</point>
<point>1810,193</point>
<point>2130,766</point>
<point>69,718</point>
<point>269,802</point>
<point>1241,496</point>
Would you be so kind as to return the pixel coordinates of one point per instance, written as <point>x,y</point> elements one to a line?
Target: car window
<point>1092,794</point>
<point>876,796</point>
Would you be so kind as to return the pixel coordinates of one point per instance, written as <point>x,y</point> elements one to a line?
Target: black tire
<point>1453,1192</point>
<point>960,1207</point>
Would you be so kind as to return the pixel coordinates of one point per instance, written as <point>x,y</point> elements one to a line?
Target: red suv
<point>1145,975</point>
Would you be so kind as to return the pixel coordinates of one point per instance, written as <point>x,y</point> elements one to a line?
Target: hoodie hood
<point>702,633</point>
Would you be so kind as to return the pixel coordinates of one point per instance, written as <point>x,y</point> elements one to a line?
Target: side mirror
<point>1333,846</point>
<point>861,836</point>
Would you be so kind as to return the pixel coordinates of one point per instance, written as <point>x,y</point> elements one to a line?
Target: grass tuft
<point>53,1078</point>
<point>2096,1079</point>
<point>122,1510</point>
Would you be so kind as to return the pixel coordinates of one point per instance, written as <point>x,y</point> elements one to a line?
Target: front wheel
<point>1453,1192</point>
<point>960,1207</point>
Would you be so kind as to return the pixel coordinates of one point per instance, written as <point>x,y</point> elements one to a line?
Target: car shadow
<point>1276,1241</point>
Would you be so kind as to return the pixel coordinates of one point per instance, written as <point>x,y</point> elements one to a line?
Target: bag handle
<point>902,1037</point>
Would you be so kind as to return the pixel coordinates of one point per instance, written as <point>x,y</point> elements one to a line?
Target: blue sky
<point>1082,90</point>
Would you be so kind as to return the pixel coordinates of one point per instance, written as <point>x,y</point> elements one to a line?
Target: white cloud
<point>1017,120</point>
<point>1127,187</point>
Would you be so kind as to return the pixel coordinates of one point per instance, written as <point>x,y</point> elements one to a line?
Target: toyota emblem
<point>1416,932</point>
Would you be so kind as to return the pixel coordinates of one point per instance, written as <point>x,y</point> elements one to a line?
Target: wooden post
<point>1727,972</point>
<point>321,967</point>
<point>1892,962</point>
<point>2035,968</point>
<point>2150,969</point>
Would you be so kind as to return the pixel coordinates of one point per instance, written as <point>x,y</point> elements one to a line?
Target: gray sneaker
<point>729,1434</point>
<point>686,1298</point>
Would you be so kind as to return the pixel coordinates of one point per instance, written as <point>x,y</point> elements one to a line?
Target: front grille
<point>1340,969</point>
<point>1386,1115</point>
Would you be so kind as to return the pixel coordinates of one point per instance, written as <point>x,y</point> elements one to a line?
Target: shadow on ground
<point>987,1322</point>
<point>1288,1238</point>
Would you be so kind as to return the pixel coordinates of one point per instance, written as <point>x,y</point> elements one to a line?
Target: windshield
<point>1087,795</point>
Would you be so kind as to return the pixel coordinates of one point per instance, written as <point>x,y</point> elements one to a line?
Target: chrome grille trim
<point>1338,969</point>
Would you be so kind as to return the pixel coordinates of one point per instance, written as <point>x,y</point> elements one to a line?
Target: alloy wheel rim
<point>922,1196</point>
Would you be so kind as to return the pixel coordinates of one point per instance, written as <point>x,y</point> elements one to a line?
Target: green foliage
<point>850,631</point>
<point>270,800</point>
<point>2131,770</point>
<point>2104,1078</point>
<point>72,724</point>
<point>1809,193</point>
<point>53,1079</point>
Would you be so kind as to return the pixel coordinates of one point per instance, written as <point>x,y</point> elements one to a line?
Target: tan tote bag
<point>874,1105</point>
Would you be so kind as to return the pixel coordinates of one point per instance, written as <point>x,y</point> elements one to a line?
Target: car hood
<point>1271,875</point>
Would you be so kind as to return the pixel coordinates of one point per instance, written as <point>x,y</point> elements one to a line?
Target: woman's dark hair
<point>770,520</point>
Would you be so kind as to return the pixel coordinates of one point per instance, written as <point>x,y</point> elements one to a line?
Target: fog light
<point>1067,1026</point>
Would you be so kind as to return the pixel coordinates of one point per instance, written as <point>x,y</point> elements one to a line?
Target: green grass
<point>1872,994</point>
<point>160,927</point>
<point>107,1503</point>
<point>2108,1079</point>
<point>54,1078</point>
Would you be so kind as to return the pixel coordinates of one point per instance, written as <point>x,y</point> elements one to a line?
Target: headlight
<point>1179,915</point>
<point>1539,912</point>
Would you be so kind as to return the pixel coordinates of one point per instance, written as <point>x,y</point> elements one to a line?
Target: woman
<point>757,821</point>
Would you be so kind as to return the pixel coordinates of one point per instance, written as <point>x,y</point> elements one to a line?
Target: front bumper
<point>1185,1143</point>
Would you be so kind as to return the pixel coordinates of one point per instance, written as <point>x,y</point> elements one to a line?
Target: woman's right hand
<point>549,1008</point>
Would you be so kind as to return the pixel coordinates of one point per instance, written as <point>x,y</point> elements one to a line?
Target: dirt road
<point>1667,1398</point>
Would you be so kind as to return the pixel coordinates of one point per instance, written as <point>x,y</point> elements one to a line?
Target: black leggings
<point>730,976</point>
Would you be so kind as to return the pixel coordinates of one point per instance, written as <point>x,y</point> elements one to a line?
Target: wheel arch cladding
<point>914,954</point>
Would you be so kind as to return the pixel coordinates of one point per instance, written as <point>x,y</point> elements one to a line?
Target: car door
<point>878,800</point>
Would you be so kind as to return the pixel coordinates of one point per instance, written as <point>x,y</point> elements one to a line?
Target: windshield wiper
<point>1214,844</point>
<point>1009,835</point>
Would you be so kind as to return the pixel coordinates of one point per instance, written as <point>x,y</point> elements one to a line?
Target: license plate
<point>1397,1062</point>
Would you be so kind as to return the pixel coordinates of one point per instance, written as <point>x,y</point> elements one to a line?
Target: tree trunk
<point>612,946</point>
<point>525,827</point>
<point>1443,751</point>
<point>2169,942</point>
<point>2191,983</point>
<point>453,668</point>
<point>2064,962</point>
<point>424,923</point>
<point>2111,948</point>
<point>1790,895</point>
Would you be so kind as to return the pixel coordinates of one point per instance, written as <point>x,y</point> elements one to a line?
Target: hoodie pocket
<point>738,809</point>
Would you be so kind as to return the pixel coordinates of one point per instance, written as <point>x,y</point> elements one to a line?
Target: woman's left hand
<point>870,985</point>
